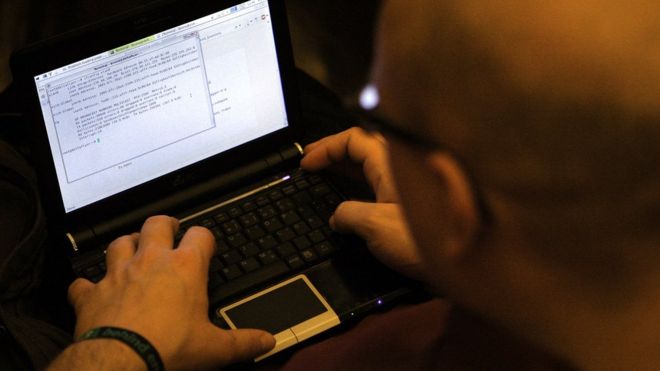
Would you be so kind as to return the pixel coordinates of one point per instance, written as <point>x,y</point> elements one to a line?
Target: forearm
<point>98,354</point>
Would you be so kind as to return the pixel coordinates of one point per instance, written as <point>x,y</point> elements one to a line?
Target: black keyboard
<point>280,230</point>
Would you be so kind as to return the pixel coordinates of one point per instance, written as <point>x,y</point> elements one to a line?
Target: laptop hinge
<point>106,230</point>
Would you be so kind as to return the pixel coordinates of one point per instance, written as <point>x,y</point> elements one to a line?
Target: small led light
<point>379,302</point>
<point>369,97</point>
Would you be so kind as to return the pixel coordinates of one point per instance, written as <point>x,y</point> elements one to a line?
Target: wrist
<point>105,354</point>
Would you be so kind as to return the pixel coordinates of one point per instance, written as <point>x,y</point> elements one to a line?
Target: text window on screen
<point>121,118</point>
<point>125,108</point>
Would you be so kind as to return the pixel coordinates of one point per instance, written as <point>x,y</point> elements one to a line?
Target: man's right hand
<point>381,224</point>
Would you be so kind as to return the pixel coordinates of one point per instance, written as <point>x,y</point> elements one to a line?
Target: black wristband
<point>135,341</point>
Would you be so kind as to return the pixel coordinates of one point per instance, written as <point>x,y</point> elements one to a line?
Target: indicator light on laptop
<point>379,302</point>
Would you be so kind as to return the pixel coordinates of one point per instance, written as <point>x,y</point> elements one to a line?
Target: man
<point>522,139</point>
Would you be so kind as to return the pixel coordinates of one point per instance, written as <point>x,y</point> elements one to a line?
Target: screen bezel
<point>121,30</point>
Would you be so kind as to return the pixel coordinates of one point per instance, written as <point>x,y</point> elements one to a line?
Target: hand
<point>381,224</point>
<point>160,293</point>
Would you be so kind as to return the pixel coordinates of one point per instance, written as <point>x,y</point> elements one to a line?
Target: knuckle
<point>120,241</point>
<point>157,219</point>
<point>76,290</point>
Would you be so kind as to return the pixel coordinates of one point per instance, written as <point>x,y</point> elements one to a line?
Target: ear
<point>463,213</point>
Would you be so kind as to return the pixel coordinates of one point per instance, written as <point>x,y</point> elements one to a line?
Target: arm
<point>381,224</point>
<point>101,354</point>
<point>160,293</point>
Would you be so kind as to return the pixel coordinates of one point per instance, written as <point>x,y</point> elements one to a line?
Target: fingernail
<point>267,341</point>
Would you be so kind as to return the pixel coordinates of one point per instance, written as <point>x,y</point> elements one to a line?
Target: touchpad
<point>292,311</point>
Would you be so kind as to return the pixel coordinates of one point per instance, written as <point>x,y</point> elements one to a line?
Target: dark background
<point>331,38</point>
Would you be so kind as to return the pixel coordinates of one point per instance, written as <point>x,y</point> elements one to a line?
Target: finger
<point>158,232</point>
<point>355,217</point>
<point>77,291</point>
<point>353,143</point>
<point>121,251</point>
<point>237,345</point>
<point>384,229</point>
<point>201,242</point>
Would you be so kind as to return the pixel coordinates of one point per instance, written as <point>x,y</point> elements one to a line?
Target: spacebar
<point>247,281</point>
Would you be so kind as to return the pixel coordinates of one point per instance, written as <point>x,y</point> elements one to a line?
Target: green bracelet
<point>140,345</point>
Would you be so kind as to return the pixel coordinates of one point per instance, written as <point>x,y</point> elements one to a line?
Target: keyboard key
<point>320,190</point>
<point>249,265</point>
<point>275,195</point>
<point>231,257</point>
<point>215,280</point>
<point>255,232</point>
<point>235,212</point>
<point>302,197</point>
<point>301,228</point>
<point>247,281</point>
<point>289,190</point>
<point>285,204</point>
<point>249,219</point>
<point>207,223</point>
<point>302,184</point>
<point>301,242</point>
<point>221,247</point>
<point>295,262</point>
<point>221,218</point>
<point>290,217</point>
<point>92,271</point>
<point>231,272</point>
<point>249,206</point>
<point>262,201</point>
<point>267,212</point>
<point>313,222</point>
<point>309,255</point>
<point>179,235</point>
<point>285,250</point>
<point>273,225</point>
<point>285,234</point>
<point>267,242</point>
<point>324,249</point>
<point>237,240</point>
<point>249,250</point>
<point>305,211</point>
<point>215,264</point>
<point>217,233</point>
<point>315,179</point>
<point>316,236</point>
<point>333,200</point>
<point>231,227</point>
<point>267,257</point>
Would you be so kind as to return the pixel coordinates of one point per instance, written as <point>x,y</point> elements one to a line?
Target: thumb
<point>355,217</point>
<point>383,227</point>
<point>77,291</point>
<point>233,346</point>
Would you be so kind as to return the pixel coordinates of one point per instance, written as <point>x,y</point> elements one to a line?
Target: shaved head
<point>553,107</point>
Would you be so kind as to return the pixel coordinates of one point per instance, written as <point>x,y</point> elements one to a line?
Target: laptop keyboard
<point>280,230</point>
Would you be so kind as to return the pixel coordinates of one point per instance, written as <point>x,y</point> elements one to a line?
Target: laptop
<point>190,109</point>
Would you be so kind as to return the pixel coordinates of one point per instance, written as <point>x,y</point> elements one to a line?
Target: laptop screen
<point>142,110</point>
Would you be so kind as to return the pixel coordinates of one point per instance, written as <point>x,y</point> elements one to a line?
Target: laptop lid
<point>155,101</point>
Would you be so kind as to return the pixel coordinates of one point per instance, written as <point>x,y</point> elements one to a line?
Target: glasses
<point>373,122</point>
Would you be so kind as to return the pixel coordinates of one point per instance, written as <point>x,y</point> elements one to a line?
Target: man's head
<point>551,111</point>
